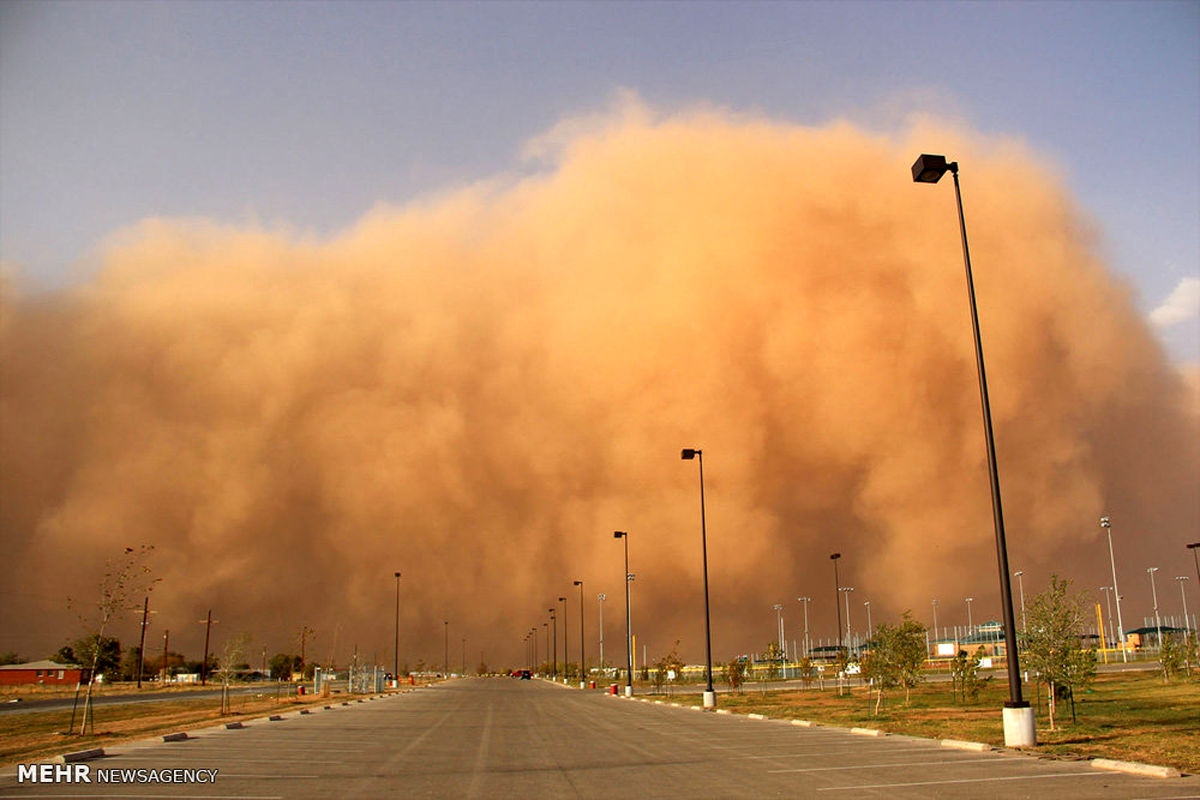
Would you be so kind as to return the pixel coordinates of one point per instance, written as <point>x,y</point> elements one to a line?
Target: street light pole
<point>1021,586</point>
<point>837,601</point>
<point>970,621</point>
<point>553,638</point>
<point>600,598</point>
<point>566,652</point>
<point>1020,727</point>
<point>1195,548</point>
<point>870,629</point>
<point>1157,621</point>
<point>805,601</point>
<point>846,590</point>
<point>710,696</point>
<point>396,650</point>
<point>1107,525</point>
<point>624,535</point>
<point>1183,601</point>
<point>582,668</point>
<point>446,653</point>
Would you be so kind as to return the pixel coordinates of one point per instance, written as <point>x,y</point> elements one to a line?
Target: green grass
<point>1131,717</point>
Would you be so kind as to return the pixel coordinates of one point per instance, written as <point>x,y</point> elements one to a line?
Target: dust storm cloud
<point>478,388</point>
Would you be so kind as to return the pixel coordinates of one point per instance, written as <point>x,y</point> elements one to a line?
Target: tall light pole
<point>600,598</point>
<point>396,649</point>
<point>582,668</point>
<point>553,638</point>
<point>566,655</point>
<point>779,624</point>
<point>1183,601</point>
<point>446,653</point>
<point>970,621</point>
<point>1021,586</point>
<point>870,629</point>
<point>1154,593</point>
<point>837,601</point>
<point>1108,610</point>
<point>935,633</point>
<point>1020,728</point>
<point>805,601</point>
<point>846,590</point>
<point>624,535</point>
<point>1195,548</point>
<point>464,656</point>
<point>710,696</point>
<point>546,626</point>
<point>1107,525</point>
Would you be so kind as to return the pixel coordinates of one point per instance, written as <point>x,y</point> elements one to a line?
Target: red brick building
<point>40,673</point>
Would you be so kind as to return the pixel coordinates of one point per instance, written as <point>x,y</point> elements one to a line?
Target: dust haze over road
<point>478,387</point>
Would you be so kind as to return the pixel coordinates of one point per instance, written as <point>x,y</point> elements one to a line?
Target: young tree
<point>880,665</point>
<point>735,674</point>
<point>807,671</point>
<point>774,658</point>
<point>964,674</point>
<point>127,577</point>
<point>232,656</point>
<point>1051,642</point>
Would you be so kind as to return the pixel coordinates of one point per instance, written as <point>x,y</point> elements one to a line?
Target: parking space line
<point>957,780</point>
<point>884,766</point>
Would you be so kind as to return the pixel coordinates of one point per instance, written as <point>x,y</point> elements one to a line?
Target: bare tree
<point>123,578</point>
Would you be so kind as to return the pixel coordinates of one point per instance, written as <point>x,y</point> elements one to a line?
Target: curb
<point>78,755</point>
<point>978,747</point>
<point>1134,768</point>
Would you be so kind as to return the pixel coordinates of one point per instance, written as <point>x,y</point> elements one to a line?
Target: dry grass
<point>27,736</point>
<point>1132,717</point>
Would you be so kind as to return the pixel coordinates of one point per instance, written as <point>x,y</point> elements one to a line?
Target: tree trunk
<point>1050,702</point>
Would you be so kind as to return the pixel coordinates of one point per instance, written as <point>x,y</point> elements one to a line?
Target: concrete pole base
<point>1020,727</point>
<point>629,691</point>
<point>710,699</point>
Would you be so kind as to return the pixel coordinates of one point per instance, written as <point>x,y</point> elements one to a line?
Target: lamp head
<point>562,599</point>
<point>835,556</point>
<point>930,169</point>
<point>1104,522</point>
<point>689,453</point>
<point>619,534</point>
<point>577,583</point>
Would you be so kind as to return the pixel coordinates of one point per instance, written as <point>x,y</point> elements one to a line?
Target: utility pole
<point>166,644</point>
<point>207,623</point>
<point>142,643</point>
<point>304,633</point>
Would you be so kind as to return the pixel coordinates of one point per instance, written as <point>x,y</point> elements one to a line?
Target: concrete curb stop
<point>803,723</point>
<point>274,718</point>
<point>78,755</point>
<point>978,747</point>
<point>757,716</point>
<point>1134,768</point>
<point>867,732</point>
<point>233,725</point>
<point>175,737</point>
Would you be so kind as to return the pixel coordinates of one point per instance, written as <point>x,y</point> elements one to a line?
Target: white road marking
<point>960,780</point>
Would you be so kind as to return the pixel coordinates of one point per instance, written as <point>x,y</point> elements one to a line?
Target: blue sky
<point>310,113</point>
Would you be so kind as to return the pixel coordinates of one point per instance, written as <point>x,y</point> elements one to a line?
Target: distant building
<point>40,673</point>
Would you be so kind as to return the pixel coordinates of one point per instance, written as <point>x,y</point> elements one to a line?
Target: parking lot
<point>512,738</point>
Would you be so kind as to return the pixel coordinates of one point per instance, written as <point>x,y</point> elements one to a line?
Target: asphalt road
<point>530,739</point>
